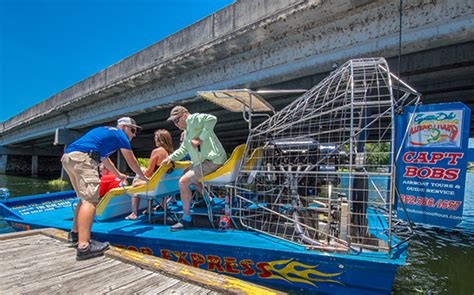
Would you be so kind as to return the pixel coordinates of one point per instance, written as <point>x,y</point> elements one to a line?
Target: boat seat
<point>168,185</point>
<point>227,173</point>
<point>252,164</point>
<point>117,202</point>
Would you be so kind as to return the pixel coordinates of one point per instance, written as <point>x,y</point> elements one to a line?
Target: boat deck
<point>54,210</point>
<point>40,261</point>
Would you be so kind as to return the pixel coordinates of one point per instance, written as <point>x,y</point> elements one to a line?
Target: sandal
<point>132,216</point>
<point>145,212</point>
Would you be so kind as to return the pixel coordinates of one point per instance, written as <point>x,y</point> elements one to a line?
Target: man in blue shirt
<point>81,161</point>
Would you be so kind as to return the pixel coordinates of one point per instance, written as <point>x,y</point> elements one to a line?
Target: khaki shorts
<point>84,176</point>
<point>208,167</point>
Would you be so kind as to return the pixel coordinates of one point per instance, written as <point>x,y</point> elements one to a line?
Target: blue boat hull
<point>247,255</point>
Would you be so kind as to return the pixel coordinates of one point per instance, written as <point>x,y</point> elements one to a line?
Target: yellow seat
<point>254,160</point>
<point>117,202</point>
<point>227,173</point>
<point>251,166</point>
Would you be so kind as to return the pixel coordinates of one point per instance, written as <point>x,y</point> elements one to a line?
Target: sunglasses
<point>133,130</point>
<point>176,120</point>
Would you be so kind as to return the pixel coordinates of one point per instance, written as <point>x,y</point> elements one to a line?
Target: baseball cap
<point>176,112</point>
<point>128,122</point>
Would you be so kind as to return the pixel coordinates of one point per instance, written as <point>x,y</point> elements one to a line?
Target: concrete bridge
<point>256,44</point>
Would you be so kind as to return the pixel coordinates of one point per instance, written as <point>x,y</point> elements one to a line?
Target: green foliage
<point>57,182</point>
<point>378,154</point>
<point>143,162</point>
<point>470,167</point>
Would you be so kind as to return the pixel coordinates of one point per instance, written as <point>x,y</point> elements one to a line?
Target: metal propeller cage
<point>319,173</point>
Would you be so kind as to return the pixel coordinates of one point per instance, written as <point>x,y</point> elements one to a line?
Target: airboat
<point>306,204</point>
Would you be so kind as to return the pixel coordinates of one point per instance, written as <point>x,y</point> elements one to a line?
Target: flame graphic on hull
<point>287,270</point>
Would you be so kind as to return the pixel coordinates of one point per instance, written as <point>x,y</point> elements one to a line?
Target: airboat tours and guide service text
<point>432,162</point>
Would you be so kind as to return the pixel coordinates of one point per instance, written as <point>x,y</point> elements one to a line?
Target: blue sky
<point>49,45</point>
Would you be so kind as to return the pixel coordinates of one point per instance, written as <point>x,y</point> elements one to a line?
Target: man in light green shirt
<point>204,148</point>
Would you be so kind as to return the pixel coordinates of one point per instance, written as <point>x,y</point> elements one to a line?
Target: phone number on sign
<point>430,202</point>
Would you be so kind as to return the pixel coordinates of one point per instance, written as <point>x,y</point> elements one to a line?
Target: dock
<point>40,262</point>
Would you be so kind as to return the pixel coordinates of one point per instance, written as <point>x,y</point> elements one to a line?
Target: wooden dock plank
<point>26,251</point>
<point>153,281</point>
<point>48,276</point>
<point>8,246</point>
<point>49,282</point>
<point>33,255</point>
<point>48,260</point>
<point>131,277</point>
<point>115,278</point>
<point>27,233</point>
<point>39,262</point>
<point>133,286</point>
<point>167,285</point>
<point>153,285</point>
<point>186,288</point>
<point>27,265</point>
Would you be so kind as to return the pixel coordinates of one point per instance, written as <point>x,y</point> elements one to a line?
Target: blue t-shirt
<point>103,140</point>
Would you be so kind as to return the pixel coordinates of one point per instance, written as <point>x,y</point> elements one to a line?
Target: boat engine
<point>314,164</point>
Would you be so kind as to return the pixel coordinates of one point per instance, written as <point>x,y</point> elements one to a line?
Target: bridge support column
<point>3,164</point>
<point>121,162</point>
<point>64,176</point>
<point>34,165</point>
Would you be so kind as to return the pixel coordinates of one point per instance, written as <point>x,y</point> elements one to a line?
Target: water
<point>440,261</point>
<point>26,186</point>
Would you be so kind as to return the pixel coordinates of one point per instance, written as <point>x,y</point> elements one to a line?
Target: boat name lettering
<point>215,263</point>
<point>144,250</point>
<point>451,174</point>
<point>437,173</point>
<point>431,157</point>
<point>282,269</point>
<point>288,269</point>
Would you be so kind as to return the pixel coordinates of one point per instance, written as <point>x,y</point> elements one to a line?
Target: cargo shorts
<point>194,173</point>
<point>84,175</point>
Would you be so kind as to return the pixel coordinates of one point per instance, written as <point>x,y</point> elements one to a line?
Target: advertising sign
<point>431,166</point>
